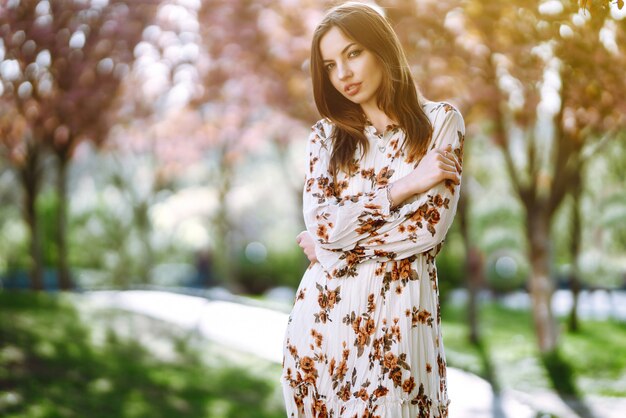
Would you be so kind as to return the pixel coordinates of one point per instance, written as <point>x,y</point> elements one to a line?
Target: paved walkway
<point>260,331</point>
<point>597,304</point>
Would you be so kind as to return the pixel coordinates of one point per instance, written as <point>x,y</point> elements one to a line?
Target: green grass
<point>595,355</point>
<point>54,364</point>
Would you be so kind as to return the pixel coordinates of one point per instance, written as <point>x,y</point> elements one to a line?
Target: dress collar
<point>370,128</point>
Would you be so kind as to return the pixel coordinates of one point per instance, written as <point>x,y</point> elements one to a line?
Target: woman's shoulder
<point>433,109</point>
<point>441,112</point>
<point>323,127</point>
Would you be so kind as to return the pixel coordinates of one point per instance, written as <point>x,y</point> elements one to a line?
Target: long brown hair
<point>397,95</point>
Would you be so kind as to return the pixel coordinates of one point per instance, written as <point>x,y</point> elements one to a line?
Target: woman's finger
<point>300,236</point>
<point>451,158</point>
<point>452,175</point>
<point>447,165</point>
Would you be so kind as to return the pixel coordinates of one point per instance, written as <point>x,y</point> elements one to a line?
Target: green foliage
<point>499,225</point>
<point>109,235</point>
<point>596,351</point>
<point>506,271</point>
<point>47,206</point>
<point>52,367</point>
<point>14,244</point>
<point>14,252</point>
<point>278,269</point>
<point>450,263</point>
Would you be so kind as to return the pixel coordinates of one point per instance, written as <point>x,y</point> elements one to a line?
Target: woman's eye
<point>330,66</point>
<point>354,53</point>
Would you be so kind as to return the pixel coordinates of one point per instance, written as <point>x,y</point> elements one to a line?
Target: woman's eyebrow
<point>343,50</point>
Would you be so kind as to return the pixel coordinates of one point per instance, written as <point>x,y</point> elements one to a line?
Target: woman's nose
<point>344,71</point>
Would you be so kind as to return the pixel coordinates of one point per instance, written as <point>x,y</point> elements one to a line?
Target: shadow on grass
<point>561,375</point>
<point>49,367</point>
<point>490,375</point>
<point>508,342</point>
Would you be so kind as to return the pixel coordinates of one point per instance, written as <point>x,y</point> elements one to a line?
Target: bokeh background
<point>152,157</point>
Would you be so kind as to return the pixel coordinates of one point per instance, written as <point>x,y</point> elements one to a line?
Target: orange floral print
<point>355,340</point>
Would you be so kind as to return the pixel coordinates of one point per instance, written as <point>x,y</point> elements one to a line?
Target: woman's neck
<point>379,119</point>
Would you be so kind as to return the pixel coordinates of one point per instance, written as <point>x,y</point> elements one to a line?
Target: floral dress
<point>364,335</point>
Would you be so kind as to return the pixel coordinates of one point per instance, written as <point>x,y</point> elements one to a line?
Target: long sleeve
<point>421,223</point>
<point>426,221</point>
<point>337,223</point>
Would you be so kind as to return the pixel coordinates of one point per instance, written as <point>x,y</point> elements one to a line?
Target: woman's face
<point>353,70</point>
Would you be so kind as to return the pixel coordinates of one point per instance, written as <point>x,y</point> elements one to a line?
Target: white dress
<point>364,336</point>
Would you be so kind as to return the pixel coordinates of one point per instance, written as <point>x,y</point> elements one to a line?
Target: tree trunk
<point>63,271</point>
<point>30,177</point>
<point>30,214</point>
<point>541,287</point>
<point>472,272</point>
<point>144,228</point>
<point>474,268</point>
<point>575,237</point>
<point>222,225</point>
<point>573,323</point>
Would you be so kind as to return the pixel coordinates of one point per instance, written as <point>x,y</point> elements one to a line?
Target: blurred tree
<point>548,101</point>
<point>257,63</point>
<point>71,57</point>
<point>544,78</point>
<point>158,138</point>
<point>600,263</point>
<point>20,148</point>
<point>430,29</point>
<point>574,247</point>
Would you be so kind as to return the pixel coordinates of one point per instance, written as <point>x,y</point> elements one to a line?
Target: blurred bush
<point>506,270</point>
<point>278,269</point>
<point>451,264</point>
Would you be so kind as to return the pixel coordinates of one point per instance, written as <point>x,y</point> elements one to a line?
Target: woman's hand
<point>305,241</point>
<point>437,165</point>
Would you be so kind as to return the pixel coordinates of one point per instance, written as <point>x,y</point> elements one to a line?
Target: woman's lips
<point>352,88</point>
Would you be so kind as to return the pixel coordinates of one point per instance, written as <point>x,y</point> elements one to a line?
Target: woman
<point>380,193</point>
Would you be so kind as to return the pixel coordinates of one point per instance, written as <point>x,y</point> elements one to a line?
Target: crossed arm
<point>410,218</point>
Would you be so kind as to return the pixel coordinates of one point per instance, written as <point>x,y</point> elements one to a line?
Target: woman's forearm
<point>399,191</point>
<point>436,166</point>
